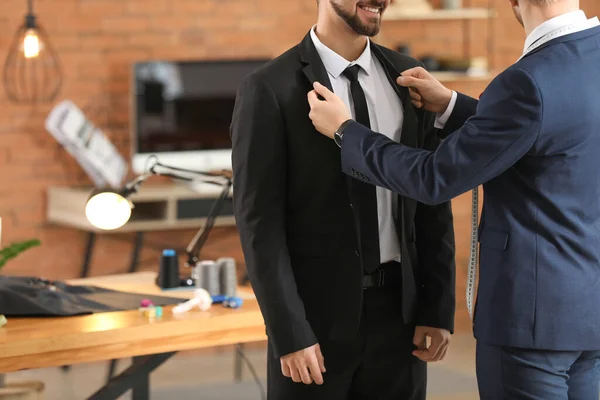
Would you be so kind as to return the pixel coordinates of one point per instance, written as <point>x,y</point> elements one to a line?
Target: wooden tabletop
<point>27,343</point>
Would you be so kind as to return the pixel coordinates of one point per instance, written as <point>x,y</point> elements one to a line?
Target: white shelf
<point>459,76</point>
<point>463,13</point>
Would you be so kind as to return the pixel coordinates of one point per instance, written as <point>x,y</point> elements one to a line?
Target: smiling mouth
<point>373,10</point>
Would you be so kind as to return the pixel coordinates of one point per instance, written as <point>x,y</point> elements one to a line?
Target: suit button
<point>351,205</point>
<point>357,253</point>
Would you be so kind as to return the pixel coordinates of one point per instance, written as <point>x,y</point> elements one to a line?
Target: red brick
<point>185,7</point>
<point>128,24</point>
<point>172,23</point>
<point>145,7</point>
<point>102,8</point>
<point>103,41</point>
<point>152,39</point>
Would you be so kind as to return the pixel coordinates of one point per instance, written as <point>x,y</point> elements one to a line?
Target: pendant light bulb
<point>31,44</point>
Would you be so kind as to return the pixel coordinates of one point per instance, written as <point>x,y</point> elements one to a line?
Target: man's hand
<point>437,349</point>
<point>305,366</point>
<point>329,114</point>
<point>425,90</point>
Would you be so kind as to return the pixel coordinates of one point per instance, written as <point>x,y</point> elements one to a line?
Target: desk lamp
<point>111,209</point>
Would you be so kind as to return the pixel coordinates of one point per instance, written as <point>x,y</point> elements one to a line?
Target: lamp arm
<point>157,164</point>
<point>193,249</point>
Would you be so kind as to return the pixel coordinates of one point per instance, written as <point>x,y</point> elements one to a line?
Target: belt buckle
<point>381,277</point>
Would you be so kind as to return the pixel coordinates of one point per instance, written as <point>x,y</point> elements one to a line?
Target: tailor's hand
<point>425,90</point>
<point>329,114</point>
<point>304,366</point>
<point>437,349</point>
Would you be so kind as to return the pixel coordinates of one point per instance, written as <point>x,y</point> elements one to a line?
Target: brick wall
<point>97,40</point>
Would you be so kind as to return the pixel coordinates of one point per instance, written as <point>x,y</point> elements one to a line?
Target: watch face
<point>338,139</point>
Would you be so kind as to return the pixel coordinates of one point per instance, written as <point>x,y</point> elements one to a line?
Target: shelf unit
<point>444,76</point>
<point>466,14</point>
<point>156,207</point>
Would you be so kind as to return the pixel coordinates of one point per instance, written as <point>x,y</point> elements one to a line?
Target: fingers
<point>315,370</point>
<point>306,366</point>
<point>297,371</point>
<point>321,360</point>
<point>304,374</point>
<point>323,91</point>
<point>445,352</point>
<point>436,351</point>
<point>285,370</point>
<point>312,98</point>
<point>409,81</point>
<point>414,94</point>
<point>437,348</point>
<point>417,72</point>
<point>420,339</point>
<point>296,375</point>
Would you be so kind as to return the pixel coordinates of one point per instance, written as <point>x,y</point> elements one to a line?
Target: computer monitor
<point>181,112</point>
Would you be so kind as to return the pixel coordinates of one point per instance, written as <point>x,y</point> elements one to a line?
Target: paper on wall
<point>92,149</point>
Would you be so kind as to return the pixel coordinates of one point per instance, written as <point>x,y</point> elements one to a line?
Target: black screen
<point>186,106</point>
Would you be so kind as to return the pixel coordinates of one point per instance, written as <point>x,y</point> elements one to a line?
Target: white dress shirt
<point>564,24</point>
<point>386,115</point>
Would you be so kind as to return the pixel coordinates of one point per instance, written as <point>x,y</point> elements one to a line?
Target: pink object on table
<point>146,303</point>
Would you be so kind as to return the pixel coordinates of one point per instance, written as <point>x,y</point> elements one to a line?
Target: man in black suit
<point>351,279</point>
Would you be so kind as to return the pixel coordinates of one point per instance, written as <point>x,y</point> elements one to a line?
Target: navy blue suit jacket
<point>533,141</point>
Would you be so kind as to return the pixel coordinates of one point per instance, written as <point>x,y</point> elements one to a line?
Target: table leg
<point>141,390</point>
<point>237,364</point>
<point>135,255</point>
<point>87,257</point>
<point>111,370</point>
<point>136,377</point>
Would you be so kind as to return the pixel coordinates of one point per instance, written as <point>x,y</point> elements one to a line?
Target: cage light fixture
<point>32,71</point>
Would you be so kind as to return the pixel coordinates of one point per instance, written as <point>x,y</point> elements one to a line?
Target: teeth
<point>371,9</point>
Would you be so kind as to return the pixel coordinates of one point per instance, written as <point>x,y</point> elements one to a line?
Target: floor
<point>202,376</point>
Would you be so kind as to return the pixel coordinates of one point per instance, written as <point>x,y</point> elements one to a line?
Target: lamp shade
<point>108,210</point>
<point>32,71</point>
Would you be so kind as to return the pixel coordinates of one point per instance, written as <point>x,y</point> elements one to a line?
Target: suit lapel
<point>404,208</point>
<point>315,71</point>
<point>313,66</point>
<point>410,125</point>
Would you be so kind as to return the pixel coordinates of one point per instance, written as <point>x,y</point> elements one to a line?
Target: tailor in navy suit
<point>533,141</point>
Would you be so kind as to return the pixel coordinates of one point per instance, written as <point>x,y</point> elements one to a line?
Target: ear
<point>514,3</point>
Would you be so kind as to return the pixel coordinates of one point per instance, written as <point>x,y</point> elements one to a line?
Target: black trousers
<point>376,365</point>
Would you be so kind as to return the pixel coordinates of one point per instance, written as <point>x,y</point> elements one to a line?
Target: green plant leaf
<point>14,249</point>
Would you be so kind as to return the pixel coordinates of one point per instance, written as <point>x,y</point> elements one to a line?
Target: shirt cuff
<point>441,119</point>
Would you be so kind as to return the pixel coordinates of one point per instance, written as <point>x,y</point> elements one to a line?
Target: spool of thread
<point>227,276</point>
<point>210,277</point>
<point>199,274</point>
<point>168,274</point>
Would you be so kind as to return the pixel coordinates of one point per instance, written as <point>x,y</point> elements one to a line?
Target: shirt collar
<point>336,64</point>
<point>570,18</point>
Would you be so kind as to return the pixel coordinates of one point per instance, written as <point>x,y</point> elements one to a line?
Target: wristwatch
<point>339,133</point>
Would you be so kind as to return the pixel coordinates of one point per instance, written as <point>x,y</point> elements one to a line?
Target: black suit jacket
<point>294,211</point>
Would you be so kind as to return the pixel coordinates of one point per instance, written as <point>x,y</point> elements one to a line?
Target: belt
<point>387,275</point>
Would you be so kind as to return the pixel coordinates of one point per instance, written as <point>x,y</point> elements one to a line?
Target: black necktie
<point>364,195</point>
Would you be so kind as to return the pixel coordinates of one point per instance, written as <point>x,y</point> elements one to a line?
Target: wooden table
<point>27,343</point>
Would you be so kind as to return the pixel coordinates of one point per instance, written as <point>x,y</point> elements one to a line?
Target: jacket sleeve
<point>259,193</point>
<point>504,129</point>
<point>436,268</point>
<point>465,108</point>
